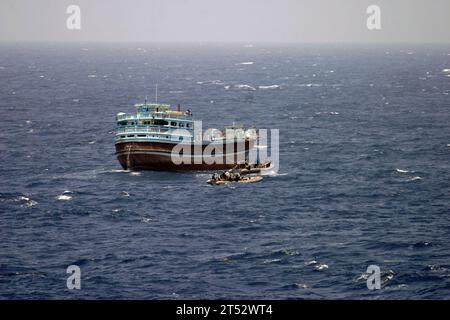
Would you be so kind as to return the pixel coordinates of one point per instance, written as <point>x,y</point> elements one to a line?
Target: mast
<point>156,93</point>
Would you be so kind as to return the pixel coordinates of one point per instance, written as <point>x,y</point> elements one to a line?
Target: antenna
<point>145,99</point>
<point>156,93</point>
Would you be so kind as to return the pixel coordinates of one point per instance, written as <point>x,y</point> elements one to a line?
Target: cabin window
<point>188,125</point>
<point>181,124</point>
<point>161,122</point>
<point>141,135</point>
<point>173,123</point>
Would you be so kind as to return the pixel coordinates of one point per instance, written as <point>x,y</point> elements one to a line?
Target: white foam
<point>321,267</point>
<point>401,171</point>
<point>246,63</point>
<point>274,86</point>
<point>446,70</point>
<point>415,178</point>
<point>64,197</point>
<point>312,262</point>
<point>272,173</point>
<point>244,87</point>
<point>31,203</point>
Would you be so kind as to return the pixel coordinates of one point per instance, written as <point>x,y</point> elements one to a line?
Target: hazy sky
<point>226,20</point>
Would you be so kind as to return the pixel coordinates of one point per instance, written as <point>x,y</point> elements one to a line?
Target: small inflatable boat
<point>241,180</point>
<point>261,168</point>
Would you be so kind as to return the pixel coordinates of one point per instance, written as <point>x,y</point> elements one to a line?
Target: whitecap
<point>27,201</point>
<point>92,142</point>
<point>309,85</point>
<point>92,76</point>
<point>312,262</point>
<point>125,194</point>
<point>134,173</point>
<point>401,171</point>
<point>274,86</point>
<point>31,203</point>
<point>246,63</point>
<point>321,267</point>
<point>267,261</point>
<point>415,178</point>
<point>244,87</point>
<point>64,197</point>
<point>446,70</point>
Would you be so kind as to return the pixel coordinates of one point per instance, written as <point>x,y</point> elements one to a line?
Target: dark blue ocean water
<point>364,173</point>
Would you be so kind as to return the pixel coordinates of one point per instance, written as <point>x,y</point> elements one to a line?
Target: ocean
<point>364,173</point>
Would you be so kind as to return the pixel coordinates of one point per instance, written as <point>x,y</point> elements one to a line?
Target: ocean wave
<point>401,171</point>
<point>65,196</point>
<point>27,202</point>
<point>318,266</point>
<point>244,87</point>
<point>246,63</point>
